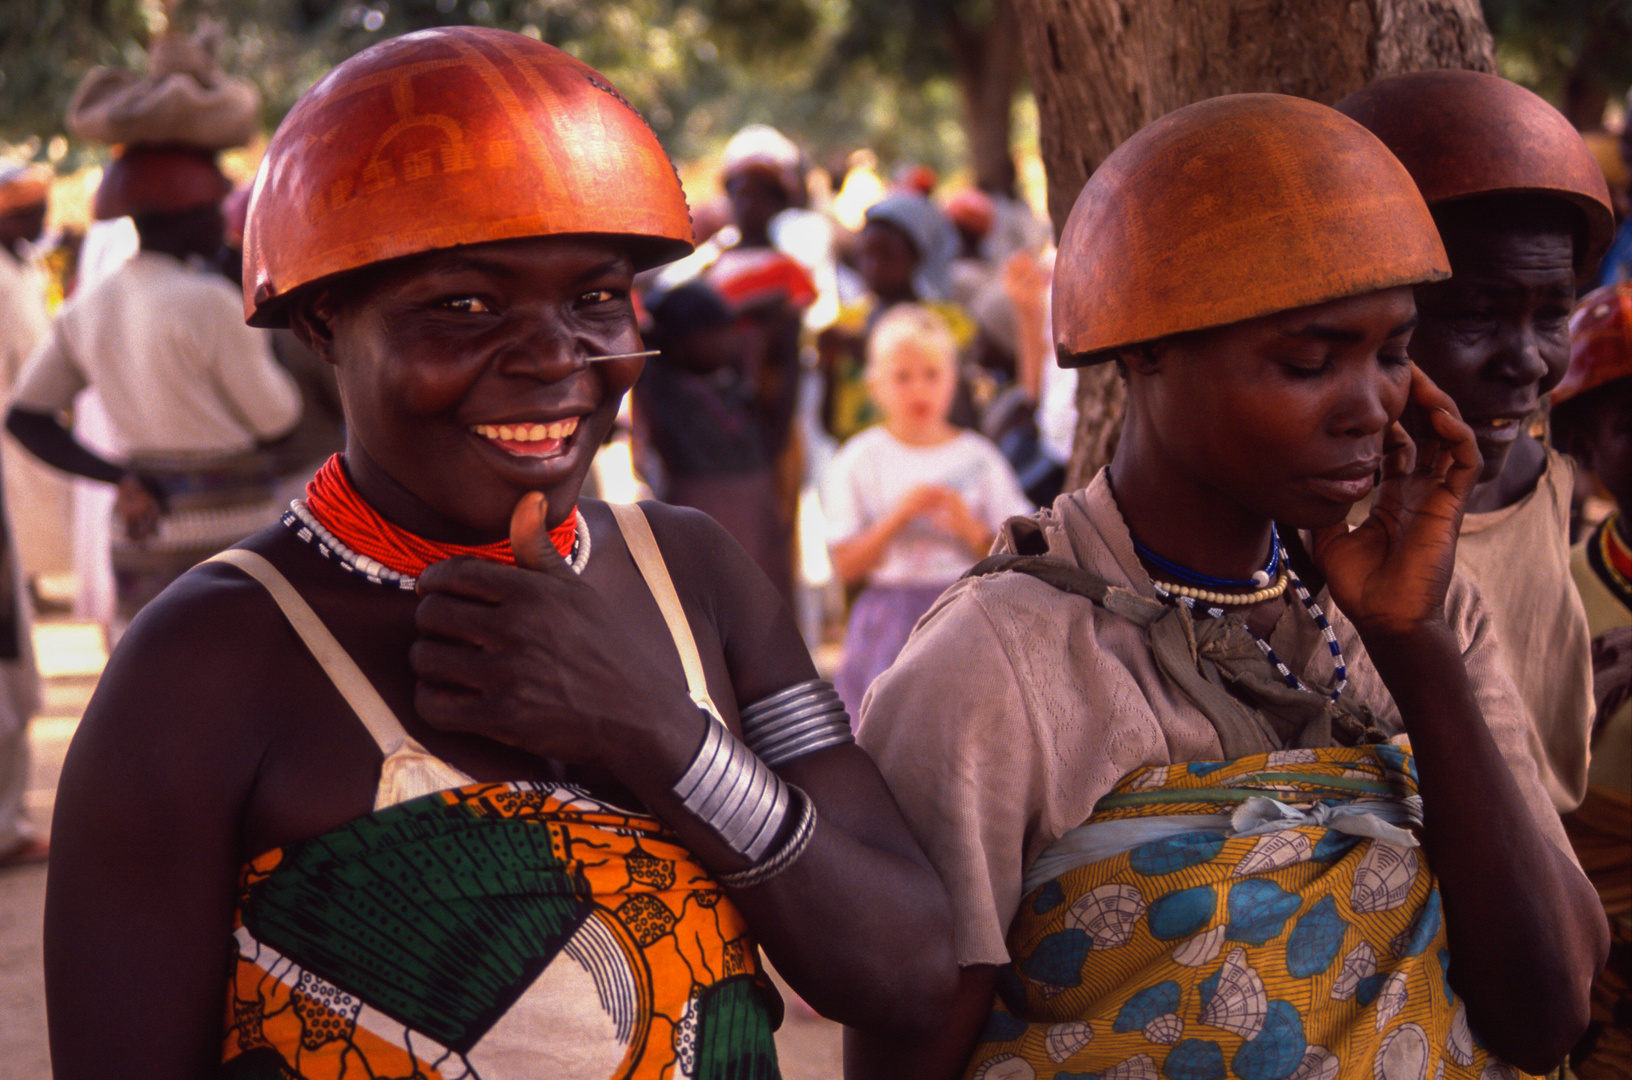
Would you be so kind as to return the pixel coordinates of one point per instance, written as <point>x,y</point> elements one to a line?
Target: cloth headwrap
<point>338,506</point>
<point>762,147</point>
<point>931,234</point>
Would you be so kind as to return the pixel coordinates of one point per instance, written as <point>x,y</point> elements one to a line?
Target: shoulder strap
<point>348,678</point>
<point>637,533</point>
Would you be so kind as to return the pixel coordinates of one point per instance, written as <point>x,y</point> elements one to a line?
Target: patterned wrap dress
<point>1266,918</point>
<point>488,931</point>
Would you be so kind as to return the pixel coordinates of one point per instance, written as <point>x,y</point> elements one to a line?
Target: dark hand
<point>137,507</point>
<point>530,655</point>
<point>1390,574</point>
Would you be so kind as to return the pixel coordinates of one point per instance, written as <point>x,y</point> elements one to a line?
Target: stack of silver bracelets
<point>732,789</point>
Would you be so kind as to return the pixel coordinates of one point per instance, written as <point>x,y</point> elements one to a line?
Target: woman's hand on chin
<point>1390,574</point>
<point>531,656</point>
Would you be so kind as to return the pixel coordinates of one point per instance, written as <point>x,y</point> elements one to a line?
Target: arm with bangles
<point>1525,928</point>
<point>858,922</point>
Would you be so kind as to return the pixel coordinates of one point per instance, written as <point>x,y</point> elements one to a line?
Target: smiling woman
<point>1218,786</point>
<point>456,773</point>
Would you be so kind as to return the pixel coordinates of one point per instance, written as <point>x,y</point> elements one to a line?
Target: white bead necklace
<point>1222,599</point>
<point>1340,669</point>
<point>304,524</point>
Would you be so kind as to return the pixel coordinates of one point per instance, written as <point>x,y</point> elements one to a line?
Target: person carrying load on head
<point>191,393</point>
<point>1221,788</point>
<point>454,773</point>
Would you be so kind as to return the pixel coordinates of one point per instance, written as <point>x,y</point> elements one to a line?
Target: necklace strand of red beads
<point>338,515</point>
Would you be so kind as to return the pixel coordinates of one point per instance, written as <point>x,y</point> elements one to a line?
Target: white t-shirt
<point>166,349</point>
<point>874,471</point>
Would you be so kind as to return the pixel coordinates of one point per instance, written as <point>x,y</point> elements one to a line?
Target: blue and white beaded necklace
<point>1278,560</point>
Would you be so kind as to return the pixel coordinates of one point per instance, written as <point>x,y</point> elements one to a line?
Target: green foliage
<point>835,74</point>
<point>1546,43</point>
<point>47,46</point>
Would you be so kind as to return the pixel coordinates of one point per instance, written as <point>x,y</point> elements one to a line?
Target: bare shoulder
<point>193,666</point>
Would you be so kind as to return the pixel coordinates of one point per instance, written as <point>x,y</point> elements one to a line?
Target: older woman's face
<point>1284,416</point>
<point>466,383</point>
<point>1496,336</point>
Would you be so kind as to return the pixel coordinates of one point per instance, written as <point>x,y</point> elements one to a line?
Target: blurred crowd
<point>853,374</point>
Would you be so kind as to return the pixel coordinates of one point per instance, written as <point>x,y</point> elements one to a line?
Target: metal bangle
<point>734,793</point>
<point>798,840</point>
<point>798,720</point>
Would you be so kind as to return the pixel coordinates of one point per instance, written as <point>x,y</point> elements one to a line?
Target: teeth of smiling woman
<point>1499,424</point>
<point>527,432</point>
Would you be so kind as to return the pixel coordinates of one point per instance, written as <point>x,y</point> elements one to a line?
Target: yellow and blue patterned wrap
<point>1305,953</point>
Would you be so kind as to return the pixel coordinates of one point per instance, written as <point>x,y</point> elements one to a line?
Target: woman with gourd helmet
<point>454,773</point>
<point>1159,678</point>
<point>1524,213</point>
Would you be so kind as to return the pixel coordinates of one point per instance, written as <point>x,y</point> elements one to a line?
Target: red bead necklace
<point>338,506</point>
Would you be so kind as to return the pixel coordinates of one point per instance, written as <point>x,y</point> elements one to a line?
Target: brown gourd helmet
<point>459,135</point>
<point>1465,133</point>
<point>1230,209</point>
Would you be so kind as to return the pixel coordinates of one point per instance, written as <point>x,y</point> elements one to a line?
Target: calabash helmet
<point>1230,209</point>
<point>1466,133</point>
<point>1600,342</point>
<point>159,180</point>
<point>453,136</point>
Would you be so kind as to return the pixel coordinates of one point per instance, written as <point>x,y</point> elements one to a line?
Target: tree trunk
<point>1103,69</point>
<point>988,63</point>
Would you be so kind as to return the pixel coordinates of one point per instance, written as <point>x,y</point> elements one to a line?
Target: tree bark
<point>988,63</point>
<point>1103,69</point>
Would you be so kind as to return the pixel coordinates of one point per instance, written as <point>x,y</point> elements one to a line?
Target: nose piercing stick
<point>623,356</point>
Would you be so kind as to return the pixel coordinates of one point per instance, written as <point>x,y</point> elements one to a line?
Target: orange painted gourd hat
<point>1230,209</point>
<point>1466,133</point>
<point>1600,342</point>
<point>453,136</point>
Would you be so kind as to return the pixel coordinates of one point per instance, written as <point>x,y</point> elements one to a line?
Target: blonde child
<point>913,501</point>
